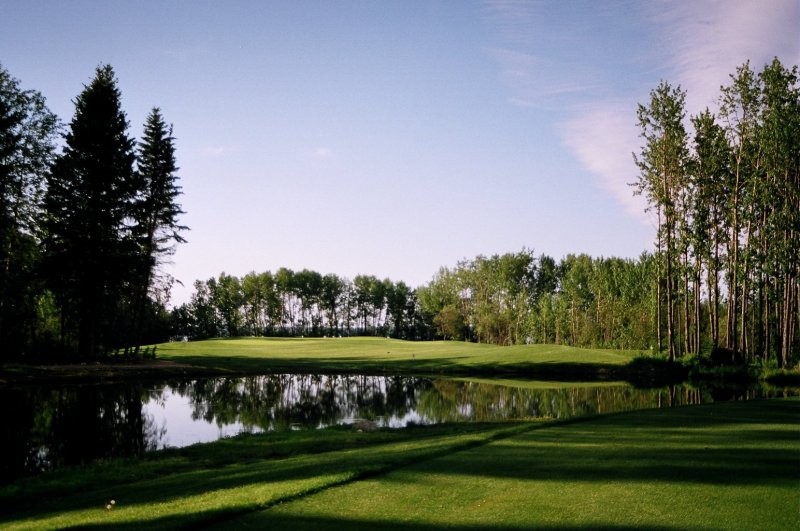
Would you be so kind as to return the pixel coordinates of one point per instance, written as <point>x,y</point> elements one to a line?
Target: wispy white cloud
<point>696,44</point>
<point>532,80</point>
<point>601,134</point>
<point>603,137</point>
<point>512,18</point>
<point>707,40</point>
<point>541,60</point>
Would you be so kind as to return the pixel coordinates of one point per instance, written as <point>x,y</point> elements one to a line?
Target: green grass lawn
<point>731,466</point>
<point>721,466</point>
<point>369,354</point>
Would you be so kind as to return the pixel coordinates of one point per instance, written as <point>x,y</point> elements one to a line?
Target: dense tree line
<point>504,299</point>
<point>727,199</point>
<point>83,230</point>
<point>301,303</point>
<point>518,298</point>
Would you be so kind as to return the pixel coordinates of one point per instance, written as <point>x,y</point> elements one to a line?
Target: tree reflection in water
<point>280,402</point>
<point>47,427</point>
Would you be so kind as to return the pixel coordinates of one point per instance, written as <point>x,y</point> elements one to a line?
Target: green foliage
<point>27,137</point>
<point>516,298</point>
<point>728,212</point>
<point>300,303</point>
<point>111,218</point>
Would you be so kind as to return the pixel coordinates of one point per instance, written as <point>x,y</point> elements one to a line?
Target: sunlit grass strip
<point>724,466</point>
<point>380,347</point>
<point>382,355</point>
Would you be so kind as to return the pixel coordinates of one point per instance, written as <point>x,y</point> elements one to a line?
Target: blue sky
<point>393,138</point>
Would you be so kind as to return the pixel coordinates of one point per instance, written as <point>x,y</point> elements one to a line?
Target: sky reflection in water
<point>51,427</point>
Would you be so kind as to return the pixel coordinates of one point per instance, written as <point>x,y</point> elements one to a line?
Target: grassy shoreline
<point>382,356</point>
<point>364,355</point>
<point>729,465</point>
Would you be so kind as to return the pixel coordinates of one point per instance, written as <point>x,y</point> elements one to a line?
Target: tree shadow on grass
<point>744,443</point>
<point>266,520</point>
<point>732,466</point>
<point>370,455</point>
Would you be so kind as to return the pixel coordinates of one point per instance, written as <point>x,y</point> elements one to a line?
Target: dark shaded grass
<point>452,366</point>
<point>317,523</point>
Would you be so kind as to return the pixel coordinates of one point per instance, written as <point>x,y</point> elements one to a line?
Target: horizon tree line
<point>300,303</point>
<point>507,299</point>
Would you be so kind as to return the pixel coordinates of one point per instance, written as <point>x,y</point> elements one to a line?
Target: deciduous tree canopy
<point>27,140</point>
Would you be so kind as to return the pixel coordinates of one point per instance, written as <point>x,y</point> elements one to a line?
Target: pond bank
<point>377,356</point>
<point>381,356</point>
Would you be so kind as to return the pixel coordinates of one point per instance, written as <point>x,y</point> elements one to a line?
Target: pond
<point>50,427</point>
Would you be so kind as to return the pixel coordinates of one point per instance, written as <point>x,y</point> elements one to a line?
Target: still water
<point>50,427</point>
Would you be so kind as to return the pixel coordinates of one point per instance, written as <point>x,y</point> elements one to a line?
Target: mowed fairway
<point>727,466</point>
<point>383,355</point>
<point>719,466</point>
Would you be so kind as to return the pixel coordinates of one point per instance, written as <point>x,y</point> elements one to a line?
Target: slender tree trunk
<point>711,303</point>
<point>658,285</point>
<point>670,223</point>
<point>766,321</point>
<point>715,305</point>
<point>733,266</point>
<point>697,317</point>
<point>670,297</point>
<point>745,303</point>
<point>733,306</point>
<point>787,321</point>
<point>686,336</point>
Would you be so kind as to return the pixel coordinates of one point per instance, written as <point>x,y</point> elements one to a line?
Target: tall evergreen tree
<point>156,210</point>
<point>27,134</point>
<point>90,196</point>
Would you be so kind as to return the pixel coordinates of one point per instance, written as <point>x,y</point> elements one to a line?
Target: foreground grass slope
<point>720,466</point>
<point>386,355</point>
